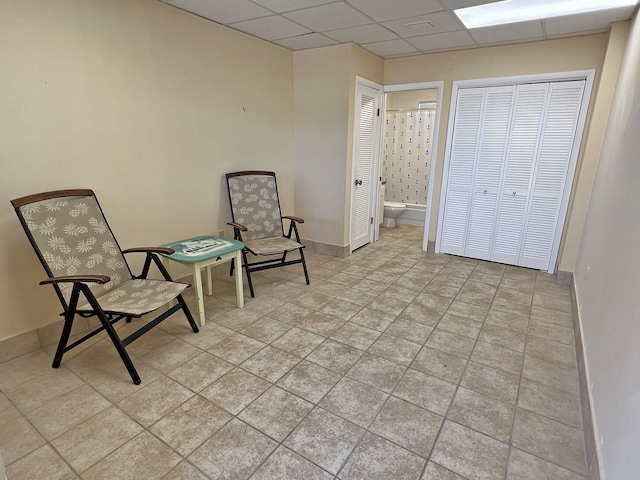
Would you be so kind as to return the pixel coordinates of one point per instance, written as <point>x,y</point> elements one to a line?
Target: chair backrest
<point>70,235</point>
<point>253,196</point>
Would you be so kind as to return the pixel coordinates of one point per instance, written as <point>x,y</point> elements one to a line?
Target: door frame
<point>588,76</point>
<point>405,87</point>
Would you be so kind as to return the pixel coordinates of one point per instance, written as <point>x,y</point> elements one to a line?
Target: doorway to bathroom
<point>408,151</point>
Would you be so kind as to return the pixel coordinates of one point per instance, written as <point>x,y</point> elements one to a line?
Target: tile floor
<point>394,364</point>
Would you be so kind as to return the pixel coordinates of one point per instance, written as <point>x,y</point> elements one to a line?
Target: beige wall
<point>324,92</point>
<point>578,53</point>
<point>607,277</point>
<point>143,103</point>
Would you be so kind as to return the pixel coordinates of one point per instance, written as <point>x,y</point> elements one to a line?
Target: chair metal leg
<point>187,313</point>
<point>304,267</point>
<point>62,344</point>
<point>248,272</point>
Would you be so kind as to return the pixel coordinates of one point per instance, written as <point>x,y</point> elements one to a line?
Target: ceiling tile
<point>438,22</point>
<point>390,47</point>
<point>222,11</point>
<point>586,21</point>
<point>288,5</point>
<point>508,33</point>
<point>363,34</point>
<point>455,4</point>
<point>329,17</point>
<point>303,42</point>
<point>443,41</point>
<point>271,28</point>
<point>381,10</point>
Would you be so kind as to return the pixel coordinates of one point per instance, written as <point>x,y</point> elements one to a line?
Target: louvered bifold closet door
<point>466,134</point>
<point>522,151</point>
<point>492,149</point>
<point>550,175</point>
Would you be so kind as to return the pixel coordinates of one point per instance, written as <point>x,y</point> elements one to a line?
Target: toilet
<point>392,210</point>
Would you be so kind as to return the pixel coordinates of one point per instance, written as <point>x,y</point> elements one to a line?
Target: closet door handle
<point>358,182</point>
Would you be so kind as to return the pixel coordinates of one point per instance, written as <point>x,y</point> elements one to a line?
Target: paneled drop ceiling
<point>388,28</point>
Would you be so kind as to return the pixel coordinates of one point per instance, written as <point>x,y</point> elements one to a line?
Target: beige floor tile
<point>154,400</point>
<point>498,357</point>
<point>298,342</point>
<point>170,355</point>
<point>67,411</point>
<point>439,364</point>
<point>457,270</point>
<point>476,313</point>
<point>425,391</point>
<point>340,308</point>
<point>91,441</point>
<point>208,336</point>
<point>550,402</point>
<point>452,343</point>
<point>32,394</point>
<point>320,323</point>
<point>551,374</point>
<point>460,325</point>
<point>270,363</point>
<point>564,319</point>
<point>189,425</point>
<point>417,312</point>
<point>504,301</point>
<point>378,459</point>
<point>263,304</point>
<point>309,381</point>
<point>143,457</point>
<point>238,319</point>
<point>185,471</point>
<point>491,382</point>
<point>484,414</point>
<point>355,335</point>
<point>233,452</point>
<point>551,351</point>
<point>470,453</point>
<point>17,439</point>
<point>266,329</point>
<point>375,319</point>
<point>523,466</point>
<point>235,390</point>
<point>200,371</point>
<point>325,439</point>
<point>290,313</point>
<point>436,472</point>
<point>237,348</point>
<point>357,296</point>
<point>490,268</point>
<point>8,411</point>
<point>550,440</point>
<point>407,425</point>
<point>335,356</point>
<point>508,320</point>
<point>344,279</point>
<point>42,463</point>
<point>276,412</point>
<point>550,331</point>
<point>503,337</point>
<point>395,349</point>
<point>388,304</point>
<point>285,464</point>
<point>444,288</point>
<point>413,331</point>
<point>377,372</point>
<point>477,293</point>
<point>559,302</point>
<point>354,401</point>
<point>436,302</point>
<point>312,300</point>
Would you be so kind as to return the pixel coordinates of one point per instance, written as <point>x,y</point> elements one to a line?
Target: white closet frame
<point>588,76</point>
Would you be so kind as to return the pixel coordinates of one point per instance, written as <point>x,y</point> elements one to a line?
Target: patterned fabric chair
<point>257,222</point>
<point>81,256</point>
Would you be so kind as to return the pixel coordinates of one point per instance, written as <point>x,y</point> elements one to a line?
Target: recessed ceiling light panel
<point>513,11</point>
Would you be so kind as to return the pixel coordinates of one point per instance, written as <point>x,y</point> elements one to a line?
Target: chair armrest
<point>101,279</point>
<point>164,250</point>
<point>294,219</point>
<point>238,226</point>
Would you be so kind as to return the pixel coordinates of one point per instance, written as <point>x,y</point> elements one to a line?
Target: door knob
<point>358,182</point>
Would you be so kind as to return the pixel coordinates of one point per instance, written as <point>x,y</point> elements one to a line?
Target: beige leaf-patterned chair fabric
<point>254,200</point>
<point>73,238</point>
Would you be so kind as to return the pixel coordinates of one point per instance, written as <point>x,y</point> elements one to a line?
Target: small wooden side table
<point>204,252</point>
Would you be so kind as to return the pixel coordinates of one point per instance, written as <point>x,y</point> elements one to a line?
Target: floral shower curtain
<point>408,137</point>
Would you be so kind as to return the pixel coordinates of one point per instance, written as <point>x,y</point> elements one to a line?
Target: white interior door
<point>366,134</point>
<point>511,155</point>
